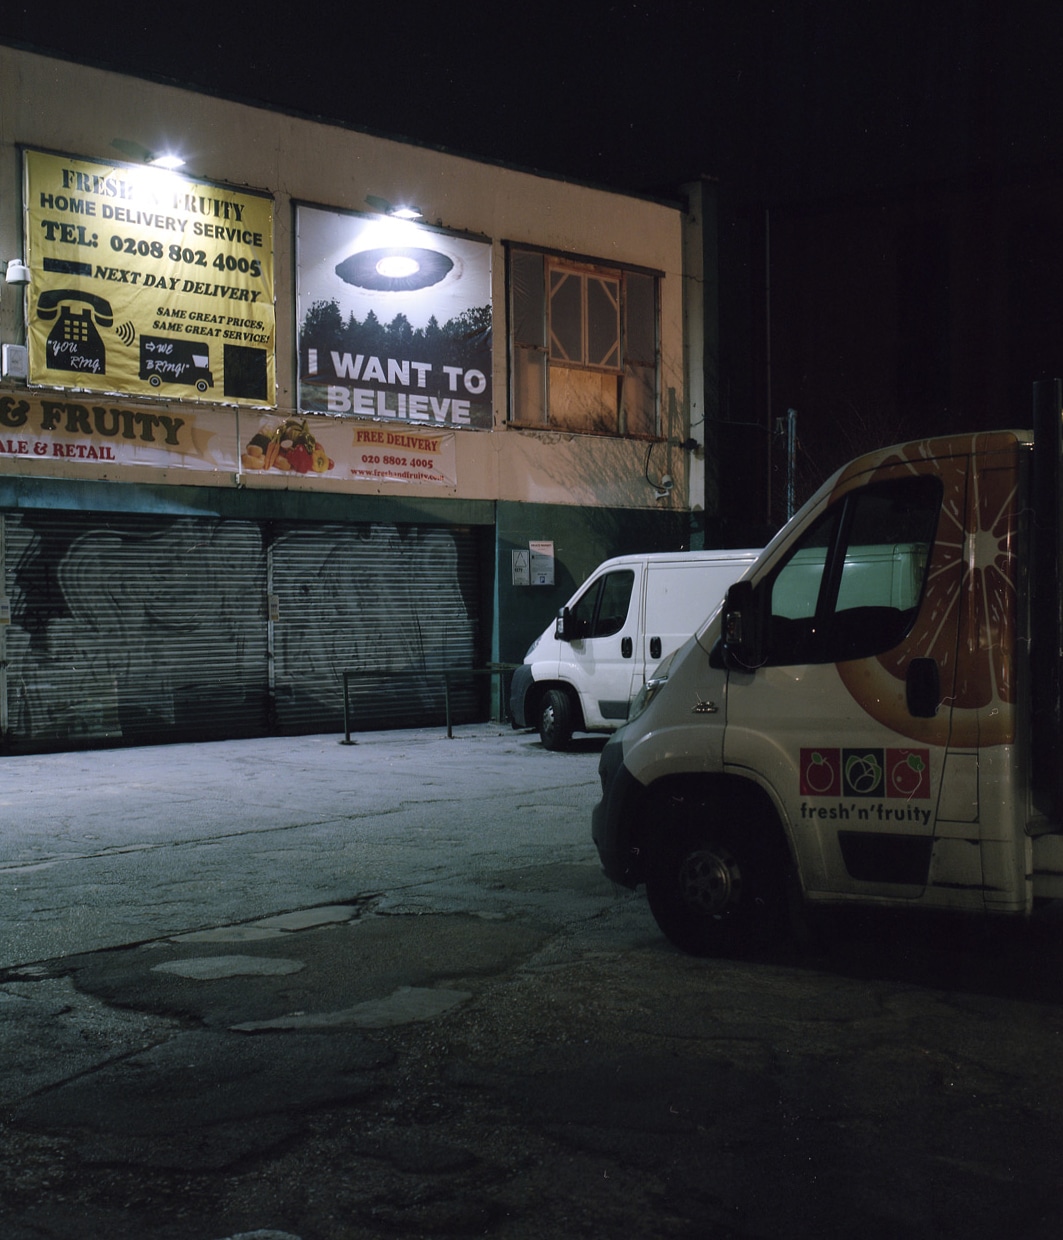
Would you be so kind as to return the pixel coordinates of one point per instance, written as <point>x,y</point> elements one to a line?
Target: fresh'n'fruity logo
<point>828,772</point>
<point>967,618</point>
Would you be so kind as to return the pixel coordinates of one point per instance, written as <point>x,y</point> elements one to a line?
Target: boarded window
<point>584,346</point>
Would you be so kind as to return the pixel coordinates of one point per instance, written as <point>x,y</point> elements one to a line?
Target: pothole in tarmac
<point>402,1007</point>
<point>205,968</point>
<point>363,973</point>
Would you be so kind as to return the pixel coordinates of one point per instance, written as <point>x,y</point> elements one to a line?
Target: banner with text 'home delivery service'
<point>144,282</point>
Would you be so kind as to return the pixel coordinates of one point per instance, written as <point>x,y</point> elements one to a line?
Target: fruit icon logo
<point>862,773</point>
<point>893,773</point>
<point>908,773</point>
<point>820,773</point>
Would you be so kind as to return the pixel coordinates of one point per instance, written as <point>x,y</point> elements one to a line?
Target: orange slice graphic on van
<point>967,619</point>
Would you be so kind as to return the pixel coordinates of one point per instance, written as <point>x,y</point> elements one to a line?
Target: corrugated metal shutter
<point>134,628</point>
<point>391,605</point>
<point>143,629</point>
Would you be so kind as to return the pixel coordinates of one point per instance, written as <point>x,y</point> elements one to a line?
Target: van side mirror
<point>743,628</point>
<point>563,628</point>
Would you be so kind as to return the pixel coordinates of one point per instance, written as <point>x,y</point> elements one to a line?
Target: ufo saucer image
<point>395,269</point>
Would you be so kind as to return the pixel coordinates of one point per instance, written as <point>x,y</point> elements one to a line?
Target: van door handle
<point>626,647</point>
<point>922,688</point>
<point>655,647</point>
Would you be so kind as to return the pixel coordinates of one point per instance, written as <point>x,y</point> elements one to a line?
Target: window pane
<point>851,589</point>
<point>896,512</point>
<point>615,598</point>
<point>603,322</point>
<point>891,528</point>
<point>890,576</point>
<point>584,400</point>
<point>795,591</point>
<point>640,319</point>
<point>794,635</point>
<point>583,346</point>
<point>640,401</point>
<point>566,316</point>
<point>528,298</point>
<point>529,386</point>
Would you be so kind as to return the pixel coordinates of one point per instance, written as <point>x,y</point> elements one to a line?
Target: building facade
<point>287,431</point>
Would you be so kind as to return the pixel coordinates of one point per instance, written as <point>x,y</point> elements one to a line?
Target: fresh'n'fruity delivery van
<point>874,716</point>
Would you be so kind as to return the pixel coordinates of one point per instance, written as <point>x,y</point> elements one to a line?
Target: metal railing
<point>448,675</point>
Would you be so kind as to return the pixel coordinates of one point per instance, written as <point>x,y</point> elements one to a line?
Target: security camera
<point>666,482</point>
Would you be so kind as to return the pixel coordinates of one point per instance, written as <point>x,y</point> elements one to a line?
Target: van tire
<point>555,719</point>
<point>717,887</point>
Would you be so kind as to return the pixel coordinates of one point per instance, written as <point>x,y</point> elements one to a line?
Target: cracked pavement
<point>303,991</point>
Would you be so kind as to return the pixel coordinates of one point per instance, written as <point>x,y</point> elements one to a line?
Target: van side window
<point>851,587</point>
<point>602,610</point>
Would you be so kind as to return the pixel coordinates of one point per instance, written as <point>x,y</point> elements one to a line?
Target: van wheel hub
<point>710,881</point>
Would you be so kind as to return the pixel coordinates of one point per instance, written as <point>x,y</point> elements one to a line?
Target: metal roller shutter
<point>134,629</point>
<point>392,605</point>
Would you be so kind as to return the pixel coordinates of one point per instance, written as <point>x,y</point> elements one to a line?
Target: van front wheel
<point>555,719</point>
<point>716,890</point>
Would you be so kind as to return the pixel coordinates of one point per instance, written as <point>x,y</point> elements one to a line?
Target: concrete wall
<point>79,111</point>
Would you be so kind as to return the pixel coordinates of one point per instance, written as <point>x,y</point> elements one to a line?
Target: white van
<point>872,719</point>
<point>582,673</point>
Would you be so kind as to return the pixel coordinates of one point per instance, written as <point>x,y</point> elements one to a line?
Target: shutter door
<point>391,605</point>
<point>132,628</point>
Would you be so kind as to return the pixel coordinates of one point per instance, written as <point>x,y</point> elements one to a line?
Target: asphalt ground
<point>107,847</point>
<point>296,990</point>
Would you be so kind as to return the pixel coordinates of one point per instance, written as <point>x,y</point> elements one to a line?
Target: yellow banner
<point>146,283</point>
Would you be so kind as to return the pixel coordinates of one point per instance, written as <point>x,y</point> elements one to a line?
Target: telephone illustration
<point>74,343</point>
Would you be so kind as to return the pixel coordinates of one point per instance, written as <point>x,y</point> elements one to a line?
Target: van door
<point>680,597</point>
<point>847,721</point>
<point>600,661</point>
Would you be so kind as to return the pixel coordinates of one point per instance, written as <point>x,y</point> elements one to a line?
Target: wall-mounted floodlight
<point>17,272</point>
<point>402,212</point>
<point>168,161</point>
<point>135,150</point>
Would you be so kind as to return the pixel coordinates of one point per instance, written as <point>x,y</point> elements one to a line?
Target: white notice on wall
<point>521,568</point>
<point>542,563</point>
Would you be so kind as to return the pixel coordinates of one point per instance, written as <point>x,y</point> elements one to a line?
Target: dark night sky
<point>858,127</point>
<point>784,100</point>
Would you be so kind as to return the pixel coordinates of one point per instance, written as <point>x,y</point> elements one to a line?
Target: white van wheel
<point>716,890</point>
<point>555,719</point>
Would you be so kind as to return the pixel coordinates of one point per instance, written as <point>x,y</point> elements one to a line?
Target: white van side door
<point>603,662</point>
<point>847,720</point>
<point>680,596</point>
